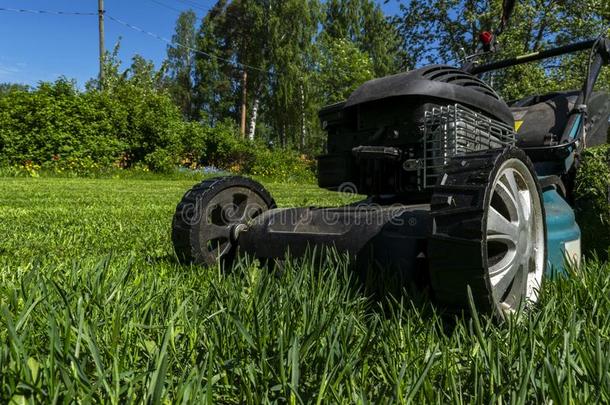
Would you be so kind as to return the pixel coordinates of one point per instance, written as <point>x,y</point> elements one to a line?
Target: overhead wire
<point>54,12</point>
<point>194,4</point>
<point>166,6</point>
<point>239,65</point>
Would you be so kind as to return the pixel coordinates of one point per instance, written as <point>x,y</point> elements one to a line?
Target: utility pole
<point>100,13</point>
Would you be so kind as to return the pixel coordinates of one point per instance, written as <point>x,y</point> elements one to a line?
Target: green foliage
<point>343,68</point>
<point>291,106</point>
<point>133,122</point>
<point>214,93</point>
<point>284,165</point>
<point>94,308</point>
<point>225,150</point>
<point>302,55</point>
<point>181,64</point>
<point>592,193</point>
<point>57,122</point>
<point>284,46</point>
<point>442,31</point>
<point>519,81</point>
<point>10,87</point>
<point>363,23</point>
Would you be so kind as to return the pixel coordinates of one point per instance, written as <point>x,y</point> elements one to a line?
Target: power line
<point>173,43</point>
<point>191,3</point>
<point>242,66</point>
<point>23,10</point>
<point>167,6</point>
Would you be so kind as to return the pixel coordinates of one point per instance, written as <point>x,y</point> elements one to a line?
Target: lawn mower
<point>464,191</point>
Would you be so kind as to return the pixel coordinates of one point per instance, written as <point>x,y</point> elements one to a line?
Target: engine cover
<point>375,137</point>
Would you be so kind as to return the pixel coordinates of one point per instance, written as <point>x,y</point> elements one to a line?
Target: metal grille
<point>454,130</point>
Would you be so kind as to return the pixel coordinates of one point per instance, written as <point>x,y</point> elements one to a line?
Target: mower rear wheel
<point>208,218</point>
<point>489,233</point>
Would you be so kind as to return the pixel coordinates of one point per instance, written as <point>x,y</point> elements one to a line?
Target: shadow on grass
<point>386,292</point>
<point>389,292</point>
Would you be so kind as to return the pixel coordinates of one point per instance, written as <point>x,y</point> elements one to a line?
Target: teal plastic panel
<point>563,233</point>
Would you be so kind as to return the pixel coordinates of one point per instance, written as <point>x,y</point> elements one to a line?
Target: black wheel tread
<point>184,235</point>
<point>456,249</point>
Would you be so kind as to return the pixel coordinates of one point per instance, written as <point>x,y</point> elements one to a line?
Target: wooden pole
<point>244,103</point>
<point>100,11</point>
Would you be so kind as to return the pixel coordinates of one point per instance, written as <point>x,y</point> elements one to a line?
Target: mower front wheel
<point>208,218</point>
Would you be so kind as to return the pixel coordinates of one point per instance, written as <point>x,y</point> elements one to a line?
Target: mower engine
<point>394,135</point>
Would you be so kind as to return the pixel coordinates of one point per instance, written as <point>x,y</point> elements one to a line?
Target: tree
<point>181,64</point>
<point>363,23</point>
<point>214,88</point>
<point>262,60</point>
<point>7,88</point>
<point>247,34</point>
<point>444,31</point>
<point>343,67</point>
<point>290,102</point>
<point>142,73</point>
<point>232,41</point>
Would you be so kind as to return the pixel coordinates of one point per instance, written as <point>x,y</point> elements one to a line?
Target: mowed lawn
<point>95,308</point>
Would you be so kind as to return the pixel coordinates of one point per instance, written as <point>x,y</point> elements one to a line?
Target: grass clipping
<point>591,194</point>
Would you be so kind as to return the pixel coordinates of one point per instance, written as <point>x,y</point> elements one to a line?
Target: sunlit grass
<point>95,308</point>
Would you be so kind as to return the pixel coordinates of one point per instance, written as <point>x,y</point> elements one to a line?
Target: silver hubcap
<point>515,237</point>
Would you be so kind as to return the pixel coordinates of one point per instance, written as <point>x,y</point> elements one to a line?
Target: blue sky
<point>42,47</point>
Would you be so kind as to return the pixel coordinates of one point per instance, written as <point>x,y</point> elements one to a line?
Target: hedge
<point>57,126</point>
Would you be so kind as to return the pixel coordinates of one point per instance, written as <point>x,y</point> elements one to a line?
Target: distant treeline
<point>250,77</point>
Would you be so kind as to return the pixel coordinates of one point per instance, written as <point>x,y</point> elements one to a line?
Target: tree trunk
<point>244,103</point>
<point>253,118</point>
<point>303,129</point>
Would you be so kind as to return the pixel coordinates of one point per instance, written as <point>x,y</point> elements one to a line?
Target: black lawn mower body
<point>464,191</point>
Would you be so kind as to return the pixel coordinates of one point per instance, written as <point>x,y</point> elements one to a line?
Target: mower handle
<point>574,130</point>
<point>600,56</point>
<point>531,57</point>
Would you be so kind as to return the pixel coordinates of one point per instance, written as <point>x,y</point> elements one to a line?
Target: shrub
<point>55,121</point>
<point>223,148</point>
<point>283,164</point>
<point>57,128</point>
<point>126,124</point>
<point>153,126</point>
<point>592,205</point>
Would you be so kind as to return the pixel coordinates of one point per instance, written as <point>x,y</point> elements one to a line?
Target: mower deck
<point>396,233</point>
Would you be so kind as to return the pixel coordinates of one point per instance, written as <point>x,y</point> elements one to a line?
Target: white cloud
<point>8,71</point>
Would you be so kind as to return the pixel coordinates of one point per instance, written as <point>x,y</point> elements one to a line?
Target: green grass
<point>94,308</point>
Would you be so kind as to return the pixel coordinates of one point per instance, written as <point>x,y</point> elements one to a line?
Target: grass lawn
<point>94,308</point>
